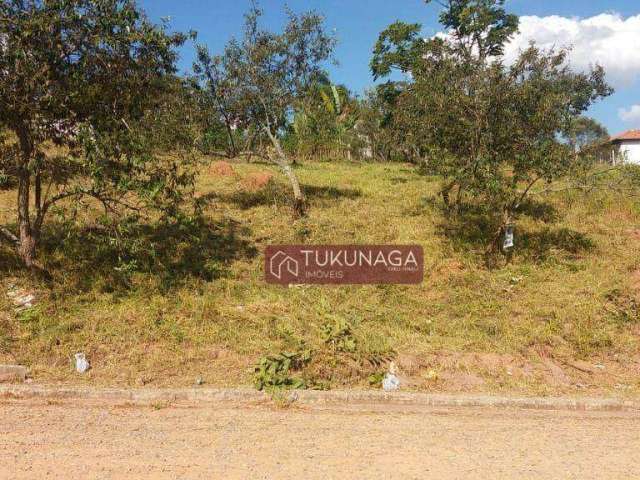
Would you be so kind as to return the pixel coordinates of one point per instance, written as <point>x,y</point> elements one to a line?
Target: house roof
<point>628,135</point>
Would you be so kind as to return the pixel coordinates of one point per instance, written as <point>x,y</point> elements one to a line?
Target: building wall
<point>631,151</point>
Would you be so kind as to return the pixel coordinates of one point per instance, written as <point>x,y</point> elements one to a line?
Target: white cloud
<point>631,115</point>
<point>607,39</point>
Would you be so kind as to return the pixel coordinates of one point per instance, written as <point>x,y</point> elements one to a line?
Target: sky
<point>599,31</point>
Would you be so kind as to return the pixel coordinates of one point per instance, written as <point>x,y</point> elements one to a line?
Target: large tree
<point>81,82</point>
<point>492,130</point>
<point>260,79</point>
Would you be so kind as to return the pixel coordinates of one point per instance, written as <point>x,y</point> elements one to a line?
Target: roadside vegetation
<point>138,224</point>
<point>570,293</point>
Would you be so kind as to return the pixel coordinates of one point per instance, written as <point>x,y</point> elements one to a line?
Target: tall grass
<point>568,294</point>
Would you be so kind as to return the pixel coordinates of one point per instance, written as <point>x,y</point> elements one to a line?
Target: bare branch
<point>8,235</point>
<point>526,192</point>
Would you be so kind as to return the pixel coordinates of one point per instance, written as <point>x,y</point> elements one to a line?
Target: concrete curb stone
<point>309,397</point>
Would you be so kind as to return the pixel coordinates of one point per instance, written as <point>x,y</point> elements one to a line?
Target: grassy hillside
<point>563,317</point>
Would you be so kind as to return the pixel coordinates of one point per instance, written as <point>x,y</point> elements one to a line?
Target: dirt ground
<point>50,439</point>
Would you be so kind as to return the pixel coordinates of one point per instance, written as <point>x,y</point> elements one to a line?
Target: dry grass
<point>563,317</point>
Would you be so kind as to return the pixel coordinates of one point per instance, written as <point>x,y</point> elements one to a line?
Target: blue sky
<point>607,31</point>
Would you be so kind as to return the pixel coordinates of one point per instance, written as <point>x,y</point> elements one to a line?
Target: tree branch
<point>525,192</point>
<point>8,235</point>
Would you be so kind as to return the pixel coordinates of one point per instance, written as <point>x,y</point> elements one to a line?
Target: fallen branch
<point>8,235</point>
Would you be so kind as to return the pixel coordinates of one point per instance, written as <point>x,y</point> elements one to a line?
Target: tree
<point>80,82</point>
<point>585,132</point>
<point>492,131</point>
<point>266,75</point>
<point>325,120</point>
<point>478,28</point>
<point>222,109</point>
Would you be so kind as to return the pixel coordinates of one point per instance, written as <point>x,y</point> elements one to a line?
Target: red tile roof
<point>628,135</point>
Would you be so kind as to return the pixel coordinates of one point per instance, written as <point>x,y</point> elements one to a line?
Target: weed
<point>283,399</point>
<point>625,308</point>
<point>6,181</point>
<point>338,335</point>
<point>274,372</point>
<point>160,405</point>
<point>375,379</point>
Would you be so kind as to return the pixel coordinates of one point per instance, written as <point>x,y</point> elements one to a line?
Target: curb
<point>309,397</point>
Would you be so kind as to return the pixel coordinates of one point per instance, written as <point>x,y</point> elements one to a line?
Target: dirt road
<point>40,439</point>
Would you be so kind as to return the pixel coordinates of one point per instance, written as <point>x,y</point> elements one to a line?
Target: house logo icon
<point>281,263</point>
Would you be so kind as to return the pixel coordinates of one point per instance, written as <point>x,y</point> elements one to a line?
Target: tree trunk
<point>299,201</point>
<point>27,244</point>
<point>27,239</point>
<point>496,244</point>
<point>446,195</point>
<point>232,143</point>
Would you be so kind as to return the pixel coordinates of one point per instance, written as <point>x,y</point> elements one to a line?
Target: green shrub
<point>273,372</point>
<point>339,335</point>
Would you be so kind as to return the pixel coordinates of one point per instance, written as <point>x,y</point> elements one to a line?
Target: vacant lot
<point>563,316</point>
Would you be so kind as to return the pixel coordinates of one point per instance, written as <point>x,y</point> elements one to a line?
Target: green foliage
<point>256,83</point>
<point>259,80</point>
<point>589,140</point>
<point>92,78</point>
<point>493,132</point>
<point>631,174</point>
<point>584,132</point>
<point>397,48</point>
<point>6,181</point>
<point>325,122</point>
<point>375,379</point>
<point>480,26</point>
<point>334,353</point>
<point>375,128</point>
<point>222,111</point>
<point>274,372</point>
<point>338,335</point>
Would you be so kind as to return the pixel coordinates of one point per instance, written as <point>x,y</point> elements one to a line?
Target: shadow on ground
<point>541,244</point>
<point>474,228</point>
<point>279,194</point>
<point>539,210</point>
<point>85,257</point>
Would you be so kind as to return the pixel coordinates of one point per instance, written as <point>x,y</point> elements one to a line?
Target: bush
<point>273,372</point>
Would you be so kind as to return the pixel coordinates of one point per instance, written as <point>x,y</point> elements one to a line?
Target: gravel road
<point>50,439</point>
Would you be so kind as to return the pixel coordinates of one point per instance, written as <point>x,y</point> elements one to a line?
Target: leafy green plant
<point>375,379</point>
<point>273,372</point>
<point>324,122</point>
<point>339,335</point>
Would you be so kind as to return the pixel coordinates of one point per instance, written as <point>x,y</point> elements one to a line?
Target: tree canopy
<point>81,82</point>
<point>260,79</point>
<point>492,130</point>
